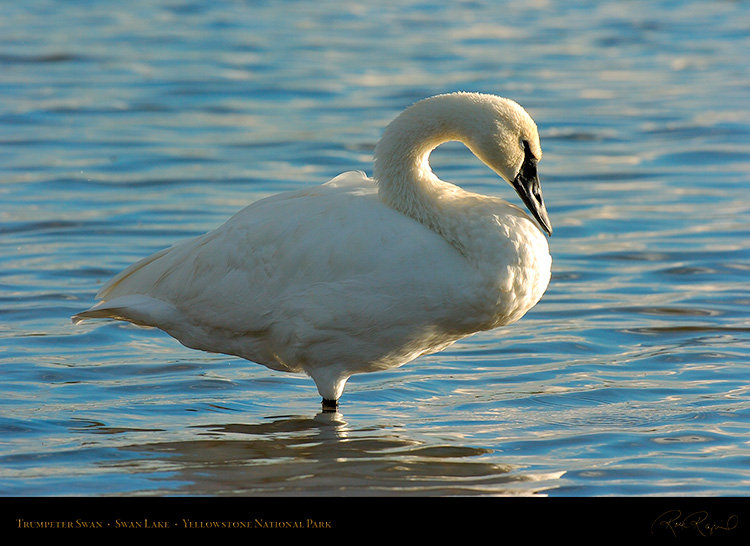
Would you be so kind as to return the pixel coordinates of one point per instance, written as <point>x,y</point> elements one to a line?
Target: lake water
<point>126,126</point>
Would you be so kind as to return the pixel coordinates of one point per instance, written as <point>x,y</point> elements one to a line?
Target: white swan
<point>360,274</point>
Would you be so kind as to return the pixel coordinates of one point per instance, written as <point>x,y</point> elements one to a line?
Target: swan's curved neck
<point>402,170</point>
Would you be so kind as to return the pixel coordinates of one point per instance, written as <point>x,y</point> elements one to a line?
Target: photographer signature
<point>674,522</point>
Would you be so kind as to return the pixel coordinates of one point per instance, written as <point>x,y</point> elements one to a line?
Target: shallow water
<point>127,126</point>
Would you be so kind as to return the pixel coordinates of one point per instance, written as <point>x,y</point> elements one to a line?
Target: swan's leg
<point>330,405</point>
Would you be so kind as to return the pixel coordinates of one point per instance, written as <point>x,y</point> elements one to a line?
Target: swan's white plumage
<point>357,274</point>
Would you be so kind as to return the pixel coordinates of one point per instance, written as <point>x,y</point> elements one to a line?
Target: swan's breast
<point>508,253</point>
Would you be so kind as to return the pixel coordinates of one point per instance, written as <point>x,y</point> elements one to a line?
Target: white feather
<point>358,274</point>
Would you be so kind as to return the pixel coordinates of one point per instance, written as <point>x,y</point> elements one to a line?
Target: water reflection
<point>293,455</point>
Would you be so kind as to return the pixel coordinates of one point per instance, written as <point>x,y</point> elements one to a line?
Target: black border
<point>664,519</point>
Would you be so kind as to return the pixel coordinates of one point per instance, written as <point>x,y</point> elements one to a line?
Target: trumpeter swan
<point>360,274</point>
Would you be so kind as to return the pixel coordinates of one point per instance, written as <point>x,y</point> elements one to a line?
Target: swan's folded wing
<point>254,270</point>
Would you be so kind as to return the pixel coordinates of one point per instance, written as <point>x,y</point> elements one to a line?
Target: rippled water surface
<point>125,126</point>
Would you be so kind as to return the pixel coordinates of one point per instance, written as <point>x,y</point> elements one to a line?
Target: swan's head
<point>497,130</point>
<point>503,135</point>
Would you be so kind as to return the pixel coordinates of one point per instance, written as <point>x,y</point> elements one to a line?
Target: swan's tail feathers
<point>136,308</point>
<point>121,300</point>
<point>109,288</point>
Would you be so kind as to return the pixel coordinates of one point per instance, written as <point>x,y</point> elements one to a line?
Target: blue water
<point>125,126</point>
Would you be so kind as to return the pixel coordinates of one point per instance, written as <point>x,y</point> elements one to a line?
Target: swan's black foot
<point>330,405</point>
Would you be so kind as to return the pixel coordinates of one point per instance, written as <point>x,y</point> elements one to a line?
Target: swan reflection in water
<point>288,456</point>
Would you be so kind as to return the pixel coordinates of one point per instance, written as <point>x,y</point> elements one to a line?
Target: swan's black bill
<point>529,189</point>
